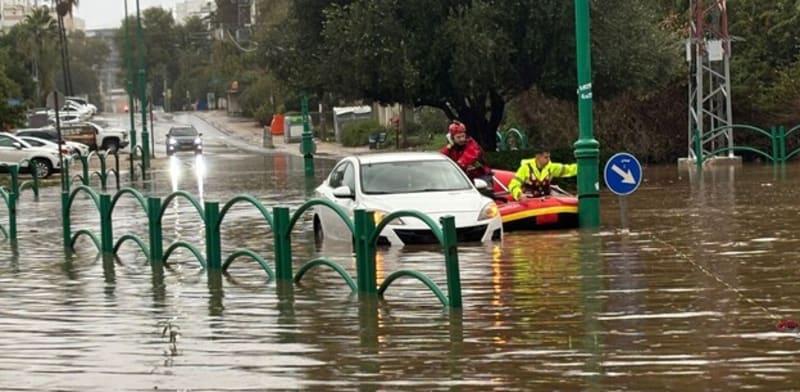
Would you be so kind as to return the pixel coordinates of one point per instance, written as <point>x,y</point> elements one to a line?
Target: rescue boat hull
<point>541,213</point>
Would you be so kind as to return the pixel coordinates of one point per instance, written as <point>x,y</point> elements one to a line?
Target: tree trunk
<point>482,121</point>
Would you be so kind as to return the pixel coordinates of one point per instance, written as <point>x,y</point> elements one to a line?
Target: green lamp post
<point>129,84</point>
<point>587,149</point>
<point>143,91</point>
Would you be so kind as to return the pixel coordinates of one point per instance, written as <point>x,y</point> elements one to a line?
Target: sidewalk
<point>250,132</point>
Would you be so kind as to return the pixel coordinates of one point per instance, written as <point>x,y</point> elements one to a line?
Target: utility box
<point>292,129</point>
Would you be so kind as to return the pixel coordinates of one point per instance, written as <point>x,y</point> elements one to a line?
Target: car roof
<point>386,157</point>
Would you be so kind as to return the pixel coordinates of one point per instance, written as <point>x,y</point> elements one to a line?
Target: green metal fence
<point>776,153</point>
<point>281,221</point>
<point>11,197</point>
<point>511,139</point>
<point>103,173</point>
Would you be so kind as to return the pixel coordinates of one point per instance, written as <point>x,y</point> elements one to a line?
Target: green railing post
<point>103,171</point>
<point>13,197</point>
<point>213,243</point>
<point>14,171</point>
<point>65,221</point>
<point>501,141</point>
<point>698,148</point>
<point>154,228</point>
<point>366,278</point>
<point>283,247</point>
<point>85,169</point>
<point>451,261</point>
<point>773,138</point>
<point>587,148</point>
<point>106,234</point>
<point>308,140</point>
<point>782,143</point>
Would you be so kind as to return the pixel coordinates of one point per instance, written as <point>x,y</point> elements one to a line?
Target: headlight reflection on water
<point>199,168</point>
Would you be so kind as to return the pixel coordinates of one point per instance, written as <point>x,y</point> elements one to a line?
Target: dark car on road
<point>184,138</point>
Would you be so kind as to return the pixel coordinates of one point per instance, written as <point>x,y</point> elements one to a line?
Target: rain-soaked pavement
<point>688,300</point>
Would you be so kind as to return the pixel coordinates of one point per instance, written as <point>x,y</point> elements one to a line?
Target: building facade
<point>13,12</point>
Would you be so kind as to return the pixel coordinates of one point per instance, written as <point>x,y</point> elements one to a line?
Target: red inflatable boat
<point>557,211</point>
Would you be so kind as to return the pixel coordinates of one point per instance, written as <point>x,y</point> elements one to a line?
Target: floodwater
<point>686,300</point>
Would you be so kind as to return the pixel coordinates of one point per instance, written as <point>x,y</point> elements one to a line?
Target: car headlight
<point>489,211</point>
<point>197,140</point>
<point>172,141</point>
<point>378,215</point>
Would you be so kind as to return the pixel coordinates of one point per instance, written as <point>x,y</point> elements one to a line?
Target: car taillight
<point>65,151</point>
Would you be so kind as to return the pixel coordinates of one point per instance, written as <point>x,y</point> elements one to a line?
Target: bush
<point>357,133</point>
<point>264,114</point>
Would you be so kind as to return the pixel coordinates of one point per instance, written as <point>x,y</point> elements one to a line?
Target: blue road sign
<point>623,173</point>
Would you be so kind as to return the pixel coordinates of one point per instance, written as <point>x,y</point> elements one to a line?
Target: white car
<point>427,182</point>
<point>83,102</point>
<point>14,150</point>
<point>69,147</point>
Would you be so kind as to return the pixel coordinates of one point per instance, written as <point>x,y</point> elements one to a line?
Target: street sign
<point>622,174</point>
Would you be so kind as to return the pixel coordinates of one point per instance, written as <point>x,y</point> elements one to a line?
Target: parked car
<point>51,135</point>
<point>427,182</point>
<point>83,102</point>
<point>67,148</point>
<point>94,135</point>
<point>14,150</point>
<point>184,138</point>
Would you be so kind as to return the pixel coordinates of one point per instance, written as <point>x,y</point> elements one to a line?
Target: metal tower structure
<point>708,52</point>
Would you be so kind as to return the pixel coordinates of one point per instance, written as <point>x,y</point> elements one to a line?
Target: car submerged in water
<point>426,182</point>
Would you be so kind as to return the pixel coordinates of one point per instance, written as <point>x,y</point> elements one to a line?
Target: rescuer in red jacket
<point>466,152</point>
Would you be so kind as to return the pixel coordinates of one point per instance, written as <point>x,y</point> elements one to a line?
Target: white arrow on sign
<point>627,177</point>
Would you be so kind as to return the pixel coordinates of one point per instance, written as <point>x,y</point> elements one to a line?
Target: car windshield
<point>183,132</point>
<point>412,176</point>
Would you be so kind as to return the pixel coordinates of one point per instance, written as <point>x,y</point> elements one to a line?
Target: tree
<point>11,113</point>
<point>465,57</point>
<point>39,33</point>
<point>87,55</point>
<point>64,8</point>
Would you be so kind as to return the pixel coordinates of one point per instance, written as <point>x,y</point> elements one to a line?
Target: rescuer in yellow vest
<point>534,175</point>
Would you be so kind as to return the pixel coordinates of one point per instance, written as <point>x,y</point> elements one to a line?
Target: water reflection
<point>542,311</point>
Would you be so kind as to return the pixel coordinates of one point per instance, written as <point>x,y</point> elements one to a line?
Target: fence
<point>11,197</point>
<point>362,227</point>
<point>777,136</point>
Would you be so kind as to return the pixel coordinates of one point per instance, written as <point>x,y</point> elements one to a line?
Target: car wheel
<point>112,145</point>
<point>43,167</point>
<point>319,235</point>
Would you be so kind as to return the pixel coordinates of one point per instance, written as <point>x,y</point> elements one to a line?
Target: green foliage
<point>264,114</point>
<point>464,58</point>
<point>357,133</point>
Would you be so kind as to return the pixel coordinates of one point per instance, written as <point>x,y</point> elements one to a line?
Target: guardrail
<point>281,221</point>
<point>511,139</point>
<point>777,136</point>
<point>85,178</point>
<point>11,197</point>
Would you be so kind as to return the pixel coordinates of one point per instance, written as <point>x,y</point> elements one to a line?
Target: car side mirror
<point>17,145</point>
<point>480,184</point>
<point>200,134</point>
<point>343,192</point>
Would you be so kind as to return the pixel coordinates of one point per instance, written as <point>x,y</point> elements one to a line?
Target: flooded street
<point>687,300</point>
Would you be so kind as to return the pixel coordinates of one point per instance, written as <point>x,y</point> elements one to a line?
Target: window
<point>349,179</point>
<point>338,175</point>
<point>183,132</point>
<point>6,141</point>
<point>410,177</point>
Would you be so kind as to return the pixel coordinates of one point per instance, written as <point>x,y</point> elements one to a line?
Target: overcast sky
<point>109,13</point>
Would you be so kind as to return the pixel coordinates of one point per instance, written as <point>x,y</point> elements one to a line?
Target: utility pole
<point>708,52</point>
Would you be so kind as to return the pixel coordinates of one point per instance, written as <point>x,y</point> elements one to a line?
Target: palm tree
<point>40,31</point>
<point>64,8</point>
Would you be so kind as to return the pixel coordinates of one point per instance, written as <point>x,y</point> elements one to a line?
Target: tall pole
<point>587,149</point>
<point>143,91</point>
<point>129,82</point>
